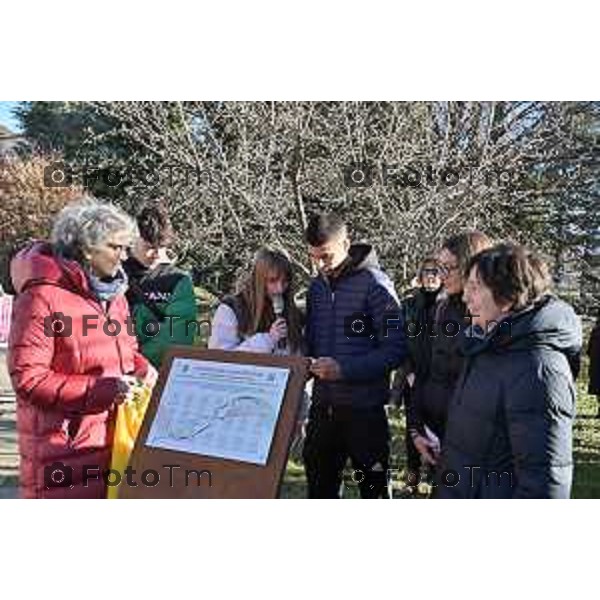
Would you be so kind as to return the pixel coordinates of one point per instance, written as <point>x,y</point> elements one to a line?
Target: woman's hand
<point>278,330</point>
<point>126,388</point>
<point>128,385</point>
<point>427,449</point>
<point>151,377</point>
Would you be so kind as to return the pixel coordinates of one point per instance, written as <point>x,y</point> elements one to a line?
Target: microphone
<point>278,307</point>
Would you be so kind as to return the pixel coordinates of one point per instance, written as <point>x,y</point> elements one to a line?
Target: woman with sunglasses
<point>419,308</point>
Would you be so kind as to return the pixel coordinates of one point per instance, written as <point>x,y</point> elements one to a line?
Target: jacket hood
<point>363,256</point>
<point>549,323</point>
<point>360,256</point>
<point>37,264</point>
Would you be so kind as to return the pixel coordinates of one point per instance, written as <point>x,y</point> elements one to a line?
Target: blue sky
<point>6,117</point>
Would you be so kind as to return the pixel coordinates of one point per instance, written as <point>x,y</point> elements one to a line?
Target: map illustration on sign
<point>225,410</point>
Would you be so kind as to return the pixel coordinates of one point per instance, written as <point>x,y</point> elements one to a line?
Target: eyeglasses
<point>118,247</point>
<point>430,271</point>
<point>445,270</point>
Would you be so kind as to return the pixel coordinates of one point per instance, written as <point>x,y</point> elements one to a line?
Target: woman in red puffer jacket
<point>68,368</point>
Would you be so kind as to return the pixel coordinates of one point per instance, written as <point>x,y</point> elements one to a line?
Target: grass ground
<point>586,444</point>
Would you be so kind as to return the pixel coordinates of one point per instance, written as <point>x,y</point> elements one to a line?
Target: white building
<point>9,140</point>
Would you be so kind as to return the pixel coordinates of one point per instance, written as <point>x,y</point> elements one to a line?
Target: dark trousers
<point>336,434</point>
<point>413,459</point>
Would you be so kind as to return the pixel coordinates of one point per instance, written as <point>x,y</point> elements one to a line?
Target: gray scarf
<point>108,288</point>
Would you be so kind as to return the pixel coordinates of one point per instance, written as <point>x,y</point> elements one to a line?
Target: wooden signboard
<point>219,425</point>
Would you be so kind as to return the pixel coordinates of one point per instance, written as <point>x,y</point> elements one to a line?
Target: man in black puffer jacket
<point>509,428</point>
<point>355,336</point>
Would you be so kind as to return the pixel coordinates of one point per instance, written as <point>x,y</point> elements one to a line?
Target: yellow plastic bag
<point>129,420</point>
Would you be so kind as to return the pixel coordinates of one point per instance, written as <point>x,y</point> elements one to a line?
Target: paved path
<point>9,458</point>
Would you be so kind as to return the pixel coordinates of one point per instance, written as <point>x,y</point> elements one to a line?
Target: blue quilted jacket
<point>356,319</point>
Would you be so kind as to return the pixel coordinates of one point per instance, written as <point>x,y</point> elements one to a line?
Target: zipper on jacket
<point>330,291</point>
<point>106,314</point>
<point>116,338</point>
<point>332,324</point>
<point>462,380</point>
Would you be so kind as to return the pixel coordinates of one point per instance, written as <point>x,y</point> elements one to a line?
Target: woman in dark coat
<point>509,429</point>
<point>419,307</point>
<point>439,368</point>
<point>594,354</point>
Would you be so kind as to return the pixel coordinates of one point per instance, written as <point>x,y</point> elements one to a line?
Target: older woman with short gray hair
<point>73,355</point>
<point>509,431</point>
<point>97,236</point>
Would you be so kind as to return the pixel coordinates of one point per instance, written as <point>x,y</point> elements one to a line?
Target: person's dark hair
<point>324,227</point>
<point>427,262</point>
<point>513,273</point>
<point>154,224</point>
<point>464,246</point>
